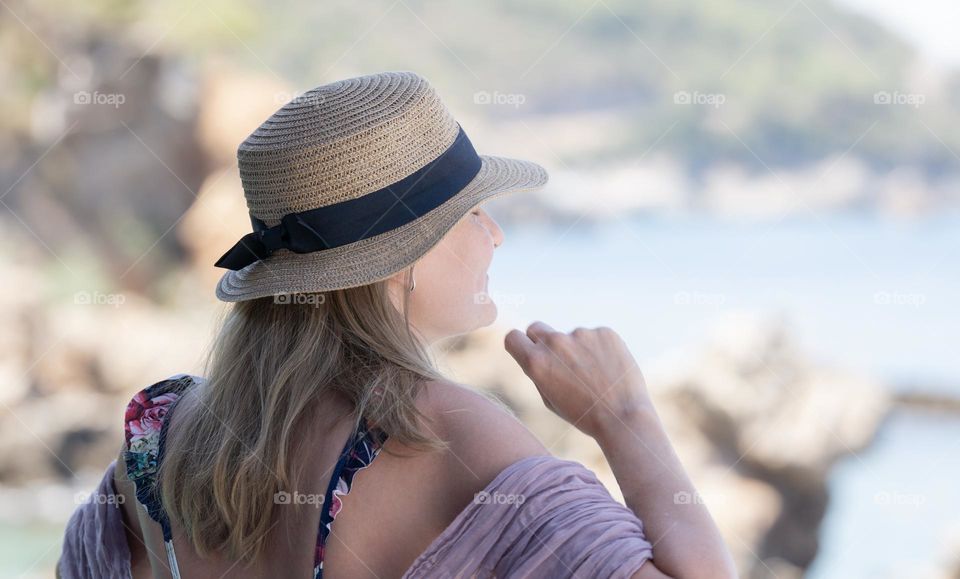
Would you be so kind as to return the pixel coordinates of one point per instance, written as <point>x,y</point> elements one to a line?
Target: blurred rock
<point>213,224</point>
<point>110,161</point>
<point>233,102</point>
<point>777,418</point>
<point>71,363</point>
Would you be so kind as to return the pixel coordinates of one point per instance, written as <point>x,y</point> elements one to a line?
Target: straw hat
<point>353,181</point>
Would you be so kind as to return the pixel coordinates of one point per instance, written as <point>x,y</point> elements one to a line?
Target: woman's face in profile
<point>451,279</point>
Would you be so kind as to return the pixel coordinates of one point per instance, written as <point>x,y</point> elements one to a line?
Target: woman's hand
<point>587,377</point>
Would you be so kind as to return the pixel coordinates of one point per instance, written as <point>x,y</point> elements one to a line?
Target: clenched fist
<point>587,377</point>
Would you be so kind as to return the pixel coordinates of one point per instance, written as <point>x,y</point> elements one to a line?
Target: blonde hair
<point>271,362</point>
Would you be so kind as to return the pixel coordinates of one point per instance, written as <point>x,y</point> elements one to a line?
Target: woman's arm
<point>688,543</point>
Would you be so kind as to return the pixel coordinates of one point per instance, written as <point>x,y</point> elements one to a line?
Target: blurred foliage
<point>798,77</point>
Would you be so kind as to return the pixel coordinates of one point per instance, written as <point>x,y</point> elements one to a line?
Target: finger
<point>538,330</point>
<point>518,345</point>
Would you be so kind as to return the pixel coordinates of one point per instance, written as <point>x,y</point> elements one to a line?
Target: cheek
<point>451,279</point>
<point>464,257</point>
<point>455,291</point>
<point>475,254</point>
<point>448,292</point>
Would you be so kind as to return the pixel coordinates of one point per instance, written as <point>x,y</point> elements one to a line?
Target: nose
<point>495,230</point>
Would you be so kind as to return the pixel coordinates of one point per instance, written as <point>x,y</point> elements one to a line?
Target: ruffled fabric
<point>94,543</point>
<point>540,517</point>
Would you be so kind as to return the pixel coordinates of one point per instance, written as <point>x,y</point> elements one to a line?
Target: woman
<point>369,247</point>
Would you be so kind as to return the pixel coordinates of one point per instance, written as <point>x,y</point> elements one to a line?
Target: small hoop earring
<point>413,281</point>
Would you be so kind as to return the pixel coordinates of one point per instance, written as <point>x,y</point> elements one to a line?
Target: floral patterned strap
<point>144,432</point>
<point>359,452</point>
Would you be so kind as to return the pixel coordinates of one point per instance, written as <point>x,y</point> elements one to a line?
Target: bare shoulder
<point>482,439</point>
<point>483,436</point>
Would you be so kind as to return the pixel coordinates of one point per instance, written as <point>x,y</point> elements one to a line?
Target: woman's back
<point>395,508</point>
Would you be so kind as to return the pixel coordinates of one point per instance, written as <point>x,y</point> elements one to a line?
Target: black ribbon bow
<point>292,233</point>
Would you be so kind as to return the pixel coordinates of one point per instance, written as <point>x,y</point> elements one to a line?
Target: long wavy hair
<point>272,362</point>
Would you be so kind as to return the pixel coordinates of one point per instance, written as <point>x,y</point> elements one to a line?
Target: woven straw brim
<point>378,257</point>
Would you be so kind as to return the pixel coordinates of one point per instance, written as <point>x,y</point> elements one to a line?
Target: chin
<point>489,312</point>
<point>482,310</point>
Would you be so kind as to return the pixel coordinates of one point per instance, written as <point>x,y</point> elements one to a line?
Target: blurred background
<point>761,197</point>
